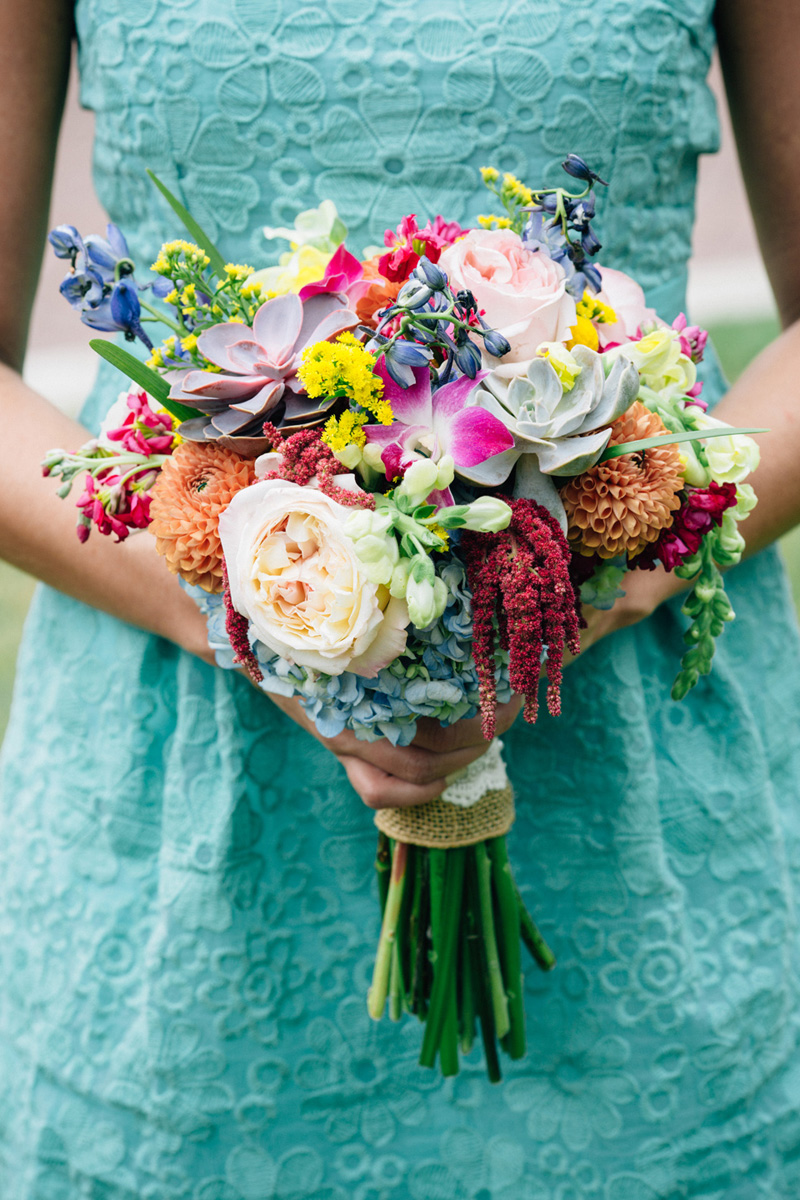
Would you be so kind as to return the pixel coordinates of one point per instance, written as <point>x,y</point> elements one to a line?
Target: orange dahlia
<point>194,487</point>
<point>382,294</point>
<point>624,503</point>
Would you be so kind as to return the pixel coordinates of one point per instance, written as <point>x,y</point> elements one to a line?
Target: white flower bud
<point>420,479</point>
<point>446,472</point>
<point>371,455</point>
<point>487,514</point>
<point>421,600</point>
<point>399,582</point>
<point>349,457</point>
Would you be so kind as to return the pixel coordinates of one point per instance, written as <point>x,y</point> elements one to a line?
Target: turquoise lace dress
<point>187,907</point>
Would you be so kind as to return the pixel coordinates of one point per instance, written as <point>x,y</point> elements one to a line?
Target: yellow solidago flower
<point>156,359</point>
<point>170,252</point>
<point>189,343</point>
<point>490,221</point>
<point>238,272</point>
<point>443,536</point>
<point>489,174</point>
<point>343,367</point>
<point>346,430</point>
<point>172,298</point>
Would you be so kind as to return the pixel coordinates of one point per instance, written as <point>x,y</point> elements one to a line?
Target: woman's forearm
<point>37,530</point>
<point>768,395</point>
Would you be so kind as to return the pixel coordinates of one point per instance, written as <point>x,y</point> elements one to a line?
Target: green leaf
<point>198,233</point>
<point>669,439</point>
<point>132,368</point>
<point>424,511</point>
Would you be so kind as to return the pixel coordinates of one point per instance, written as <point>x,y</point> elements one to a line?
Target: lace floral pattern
<point>186,893</point>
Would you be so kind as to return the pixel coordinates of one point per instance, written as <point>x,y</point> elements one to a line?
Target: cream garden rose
<point>523,295</point>
<point>295,575</point>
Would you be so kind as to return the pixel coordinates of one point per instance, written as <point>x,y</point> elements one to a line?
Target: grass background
<point>737,345</point>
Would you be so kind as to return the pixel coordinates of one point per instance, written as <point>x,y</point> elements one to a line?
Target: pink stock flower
<point>693,339</point>
<point>143,431</point>
<point>440,422</point>
<point>113,506</point>
<point>702,509</point>
<point>344,274</point>
<point>409,243</point>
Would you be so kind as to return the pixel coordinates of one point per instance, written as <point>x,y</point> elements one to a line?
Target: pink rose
<point>626,298</point>
<point>522,294</point>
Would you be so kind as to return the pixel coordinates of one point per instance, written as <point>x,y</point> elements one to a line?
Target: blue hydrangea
<point>434,677</point>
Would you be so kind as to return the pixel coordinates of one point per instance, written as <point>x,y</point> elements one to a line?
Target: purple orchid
<point>258,369</point>
<point>442,422</point>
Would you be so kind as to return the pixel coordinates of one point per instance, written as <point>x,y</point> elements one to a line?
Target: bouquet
<point>390,483</point>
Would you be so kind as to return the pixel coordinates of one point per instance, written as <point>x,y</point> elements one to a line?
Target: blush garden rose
<point>295,575</point>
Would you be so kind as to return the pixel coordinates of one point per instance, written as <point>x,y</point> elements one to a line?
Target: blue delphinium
<point>100,283</point>
<point>434,677</point>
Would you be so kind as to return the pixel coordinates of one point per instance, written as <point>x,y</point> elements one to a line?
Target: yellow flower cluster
<point>590,313</point>
<point>170,252</point>
<point>490,221</point>
<point>489,174</point>
<point>346,430</point>
<point>344,368</point>
<point>238,272</point>
<point>516,189</point>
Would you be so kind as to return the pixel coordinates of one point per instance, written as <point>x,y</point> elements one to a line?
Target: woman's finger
<point>378,789</point>
<point>433,736</point>
<point>413,764</point>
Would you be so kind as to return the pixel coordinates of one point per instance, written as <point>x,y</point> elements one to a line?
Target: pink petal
<point>334,323</point>
<point>264,400</point>
<point>216,342</point>
<point>223,387</point>
<point>411,406</point>
<point>451,398</point>
<point>277,326</point>
<point>389,642</point>
<point>342,270</point>
<point>473,435</point>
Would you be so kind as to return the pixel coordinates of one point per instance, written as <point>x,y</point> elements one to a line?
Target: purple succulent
<point>258,371</point>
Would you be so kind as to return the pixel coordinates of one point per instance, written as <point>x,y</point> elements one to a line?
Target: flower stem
<point>159,316</point>
<point>421,918</point>
<point>508,936</point>
<point>483,1002</point>
<point>532,937</point>
<point>383,868</point>
<point>376,997</point>
<point>395,986</point>
<point>467,987</point>
<point>496,989</point>
<point>441,1025</point>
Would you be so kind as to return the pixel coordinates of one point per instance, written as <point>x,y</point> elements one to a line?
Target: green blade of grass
<point>669,439</point>
<point>217,262</point>
<point>133,368</point>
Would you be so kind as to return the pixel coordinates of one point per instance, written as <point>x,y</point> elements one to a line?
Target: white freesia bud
<point>695,474</point>
<point>440,596</point>
<point>446,472</point>
<point>399,582</point>
<point>371,455</point>
<point>371,548</point>
<point>364,522</point>
<point>487,514</point>
<point>350,456</point>
<point>421,600</point>
<point>419,480</point>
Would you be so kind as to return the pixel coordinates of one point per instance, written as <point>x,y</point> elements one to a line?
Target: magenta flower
<point>692,338</point>
<point>114,505</point>
<point>143,431</point>
<point>258,368</point>
<point>438,423</point>
<point>409,243</point>
<point>344,274</point>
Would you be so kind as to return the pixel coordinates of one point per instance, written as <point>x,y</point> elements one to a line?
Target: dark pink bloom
<point>344,274</point>
<point>702,509</point>
<point>114,507</point>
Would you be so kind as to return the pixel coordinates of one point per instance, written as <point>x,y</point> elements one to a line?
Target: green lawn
<point>736,344</point>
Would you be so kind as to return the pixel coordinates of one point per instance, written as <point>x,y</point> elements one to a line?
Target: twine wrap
<point>440,825</point>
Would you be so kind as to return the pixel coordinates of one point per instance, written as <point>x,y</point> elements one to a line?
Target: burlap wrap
<point>442,825</point>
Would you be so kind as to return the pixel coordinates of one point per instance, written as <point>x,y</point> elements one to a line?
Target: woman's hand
<point>387,776</point>
<point>644,591</point>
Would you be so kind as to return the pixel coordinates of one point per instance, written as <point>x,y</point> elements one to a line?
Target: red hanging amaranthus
<point>238,630</point>
<point>303,456</point>
<point>523,599</point>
